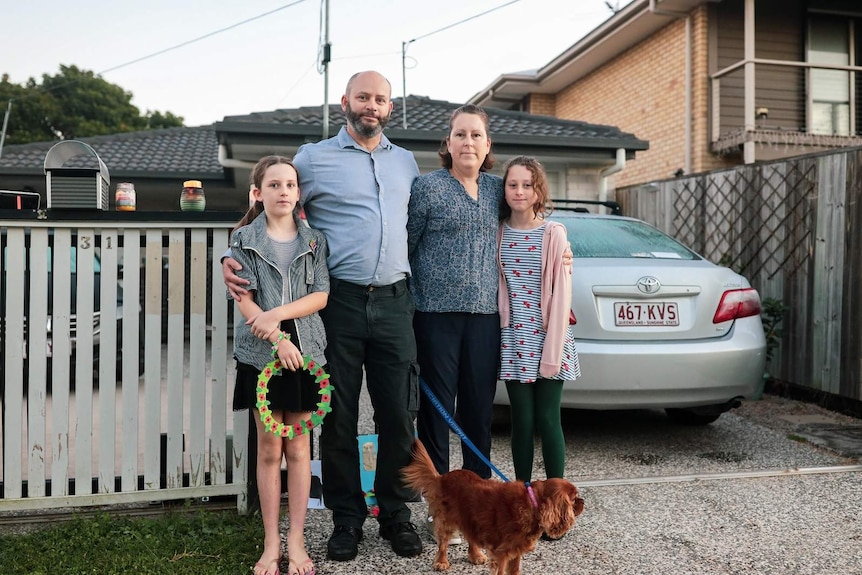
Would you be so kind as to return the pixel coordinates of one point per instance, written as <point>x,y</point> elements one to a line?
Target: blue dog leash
<point>457,429</point>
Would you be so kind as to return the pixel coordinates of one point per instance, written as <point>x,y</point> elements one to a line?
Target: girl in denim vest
<point>285,261</point>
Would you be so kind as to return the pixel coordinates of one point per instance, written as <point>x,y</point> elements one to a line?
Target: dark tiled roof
<point>170,152</point>
<point>432,116</point>
<point>193,152</point>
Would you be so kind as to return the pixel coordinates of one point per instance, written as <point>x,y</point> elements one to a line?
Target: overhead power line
<point>182,44</point>
<point>404,46</point>
<point>147,57</point>
<point>463,21</point>
<point>205,36</point>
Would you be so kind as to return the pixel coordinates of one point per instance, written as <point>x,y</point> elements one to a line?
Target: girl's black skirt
<point>293,391</point>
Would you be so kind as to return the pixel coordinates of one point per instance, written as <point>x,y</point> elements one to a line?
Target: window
<point>830,92</point>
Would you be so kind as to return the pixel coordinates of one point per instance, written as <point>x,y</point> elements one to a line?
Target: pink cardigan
<point>556,295</point>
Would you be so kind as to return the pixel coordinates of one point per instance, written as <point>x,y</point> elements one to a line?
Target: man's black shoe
<point>343,543</point>
<point>405,541</point>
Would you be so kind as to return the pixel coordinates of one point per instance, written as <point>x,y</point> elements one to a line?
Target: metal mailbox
<point>76,177</point>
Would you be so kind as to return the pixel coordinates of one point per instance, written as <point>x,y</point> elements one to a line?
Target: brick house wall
<point>542,104</point>
<point>583,184</point>
<point>642,92</point>
<point>578,183</point>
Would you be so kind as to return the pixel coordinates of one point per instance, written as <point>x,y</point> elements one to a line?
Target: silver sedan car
<point>656,325</point>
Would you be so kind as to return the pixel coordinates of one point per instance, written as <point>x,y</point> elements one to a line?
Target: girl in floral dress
<point>537,352</point>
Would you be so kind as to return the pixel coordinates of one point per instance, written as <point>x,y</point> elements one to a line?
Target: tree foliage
<point>72,104</point>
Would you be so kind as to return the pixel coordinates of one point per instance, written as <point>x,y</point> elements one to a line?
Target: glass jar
<point>125,197</point>
<point>192,199</point>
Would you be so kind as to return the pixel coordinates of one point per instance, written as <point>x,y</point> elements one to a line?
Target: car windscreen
<point>621,238</point>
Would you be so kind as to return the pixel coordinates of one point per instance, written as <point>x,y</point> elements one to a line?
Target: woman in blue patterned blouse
<point>452,223</point>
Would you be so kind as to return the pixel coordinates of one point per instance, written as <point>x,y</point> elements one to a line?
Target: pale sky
<point>271,62</point>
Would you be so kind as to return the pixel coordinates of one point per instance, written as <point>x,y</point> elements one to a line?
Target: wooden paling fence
<point>116,361</point>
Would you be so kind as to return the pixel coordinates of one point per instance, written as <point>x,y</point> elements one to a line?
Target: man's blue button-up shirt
<point>359,199</point>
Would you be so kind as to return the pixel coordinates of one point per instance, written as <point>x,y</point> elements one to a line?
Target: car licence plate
<point>657,313</point>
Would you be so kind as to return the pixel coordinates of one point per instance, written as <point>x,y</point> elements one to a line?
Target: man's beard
<point>364,130</point>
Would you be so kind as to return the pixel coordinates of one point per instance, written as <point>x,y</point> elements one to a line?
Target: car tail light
<point>737,303</point>
<point>572,320</point>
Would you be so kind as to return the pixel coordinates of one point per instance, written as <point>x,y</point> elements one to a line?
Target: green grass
<point>794,437</point>
<point>176,543</point>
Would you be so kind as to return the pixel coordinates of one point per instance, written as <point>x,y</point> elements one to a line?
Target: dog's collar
<point>531,494</point>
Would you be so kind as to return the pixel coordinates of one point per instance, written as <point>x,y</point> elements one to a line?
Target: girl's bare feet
<point>266,567</point>
<point>269,560</point>
<point>299,561</point>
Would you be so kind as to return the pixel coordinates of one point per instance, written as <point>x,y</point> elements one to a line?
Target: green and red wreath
<point>323,407</point>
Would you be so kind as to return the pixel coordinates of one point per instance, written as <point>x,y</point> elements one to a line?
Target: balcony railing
<point>784,112</point>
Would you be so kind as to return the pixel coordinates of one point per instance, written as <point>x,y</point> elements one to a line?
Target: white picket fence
<point>82,439</point>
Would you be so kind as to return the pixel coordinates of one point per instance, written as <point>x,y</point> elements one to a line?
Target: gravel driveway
<point>646,514</point>
<point>773,488</point>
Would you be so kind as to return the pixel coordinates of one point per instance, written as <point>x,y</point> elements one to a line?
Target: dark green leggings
<point>536,407</point>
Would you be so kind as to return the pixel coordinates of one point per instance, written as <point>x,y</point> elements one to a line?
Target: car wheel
<point>691,416</point>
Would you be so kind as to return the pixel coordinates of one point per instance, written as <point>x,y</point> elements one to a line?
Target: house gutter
<point>232,162</point>
<point>688,82</point>
<point>610,170</point>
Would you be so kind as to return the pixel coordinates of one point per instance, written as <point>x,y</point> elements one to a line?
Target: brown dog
<point>503,518</point>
